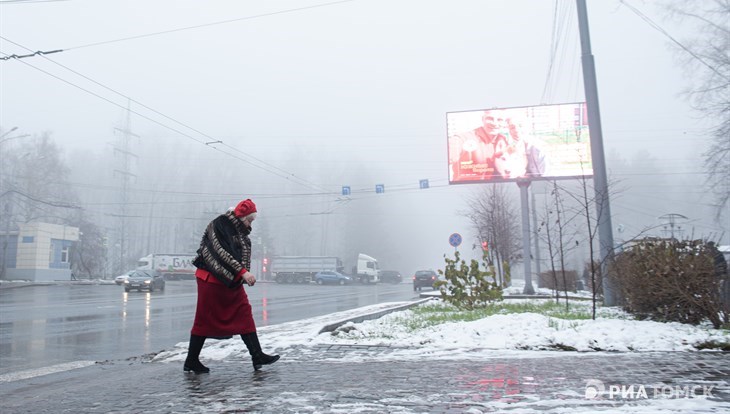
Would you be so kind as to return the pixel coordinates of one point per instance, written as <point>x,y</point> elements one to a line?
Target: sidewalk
<point>325,378</point>
<point>313,381</point>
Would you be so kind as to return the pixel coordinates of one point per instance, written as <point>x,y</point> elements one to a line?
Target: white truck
<point>367,270</point>
<point>171,266</point>
<point>302,269</point>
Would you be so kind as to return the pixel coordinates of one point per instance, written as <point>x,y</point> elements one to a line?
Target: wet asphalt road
<point>47,325</point>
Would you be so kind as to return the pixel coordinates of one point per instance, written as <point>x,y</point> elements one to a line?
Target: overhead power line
<point>256,16</point>
<point>28,1</point>
<point>562,38</point>
<point>36,53</point>
<point>209,142</point>
<point>50,203</point>
<point>180,29</point>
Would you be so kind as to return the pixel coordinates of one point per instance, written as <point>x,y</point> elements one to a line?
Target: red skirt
<point>221,311</point>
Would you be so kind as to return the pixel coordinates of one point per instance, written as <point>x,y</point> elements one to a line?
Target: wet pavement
<point>385,379</point>
<point>362,379</point>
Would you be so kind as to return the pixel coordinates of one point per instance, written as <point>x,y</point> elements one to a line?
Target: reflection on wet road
<point>47,325</point>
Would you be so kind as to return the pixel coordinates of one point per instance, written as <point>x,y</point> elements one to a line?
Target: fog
<point>286,102</point>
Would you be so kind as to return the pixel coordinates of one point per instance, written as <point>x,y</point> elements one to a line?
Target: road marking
<point>32,373</point>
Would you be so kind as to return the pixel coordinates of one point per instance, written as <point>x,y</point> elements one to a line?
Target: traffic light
<point>485,246</point>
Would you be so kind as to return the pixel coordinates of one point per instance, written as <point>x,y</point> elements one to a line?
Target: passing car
<point>424,278</point>
<point>390,276</point>
<point>119,280</point>
<point>144,280</point>
<point>331,277</point>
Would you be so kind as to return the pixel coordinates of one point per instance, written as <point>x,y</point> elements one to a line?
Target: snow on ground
<point>524,334</point>
<point>281,336</point>
<point>527,331</point>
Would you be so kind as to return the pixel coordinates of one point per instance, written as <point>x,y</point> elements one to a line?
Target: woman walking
<point>223,310</point>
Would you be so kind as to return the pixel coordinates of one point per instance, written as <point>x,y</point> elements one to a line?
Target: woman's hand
<point>249,278</point>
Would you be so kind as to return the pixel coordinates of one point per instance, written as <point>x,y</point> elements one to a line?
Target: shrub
<point>548,279</point>
<point>466,285</point>
<point>670,280</point>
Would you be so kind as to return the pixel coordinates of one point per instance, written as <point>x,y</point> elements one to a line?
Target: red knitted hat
<point>244,208</point>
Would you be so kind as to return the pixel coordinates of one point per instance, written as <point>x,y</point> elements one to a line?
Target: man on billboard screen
<point>541,142</point>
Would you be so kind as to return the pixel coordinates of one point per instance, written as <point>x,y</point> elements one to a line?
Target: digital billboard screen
<point>543,142</point>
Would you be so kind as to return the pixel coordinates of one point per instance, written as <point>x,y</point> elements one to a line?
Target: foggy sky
<point>352,93</point>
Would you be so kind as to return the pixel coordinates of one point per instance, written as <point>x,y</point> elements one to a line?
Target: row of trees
<point>34,186</point>
<point>706,60</point>
<point>567,227</point>
<point>117,225</point>
<point>662,279</point>
<point>131,201</point>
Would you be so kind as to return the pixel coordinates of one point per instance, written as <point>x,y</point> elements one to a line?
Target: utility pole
<point>600,179</point>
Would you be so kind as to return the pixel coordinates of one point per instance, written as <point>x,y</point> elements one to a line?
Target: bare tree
<point>88,256</point>
<point>585,205</point>
<point>39,180</point>
<point>494,216</point>
<point>560,241</point>
<point>546,226</point>
<point>592,227</point>
<point>37,185</point>
<point>705,57</point>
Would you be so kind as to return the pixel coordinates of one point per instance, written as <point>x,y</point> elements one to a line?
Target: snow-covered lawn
<point>515,333</point>
<point>529,331</point>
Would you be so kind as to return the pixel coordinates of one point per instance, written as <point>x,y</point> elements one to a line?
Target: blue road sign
<point>345,190</point>
<point>455,239</point>
<point>379,188</point>
<point>423,184</point>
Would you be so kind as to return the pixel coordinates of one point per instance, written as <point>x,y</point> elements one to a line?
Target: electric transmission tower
<point>671,226</point>
<point>123,170</point>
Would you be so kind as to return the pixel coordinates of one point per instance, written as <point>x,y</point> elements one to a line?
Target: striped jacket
<point>225,249</point>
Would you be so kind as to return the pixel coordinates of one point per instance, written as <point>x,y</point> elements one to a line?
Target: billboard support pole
<point>526,257</point>
<point>536,242</point>
<point>600,180</point>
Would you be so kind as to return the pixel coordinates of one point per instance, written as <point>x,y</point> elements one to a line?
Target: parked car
<point>390,276</point>
<point>144,280</point>
<point>330,276</point>
<point>119,280</point>
<point>424,278</point>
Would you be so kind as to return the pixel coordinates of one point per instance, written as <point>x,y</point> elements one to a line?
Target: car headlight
<point>147,282</point>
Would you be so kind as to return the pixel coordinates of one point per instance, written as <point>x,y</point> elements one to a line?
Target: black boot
<point>192,363</point>
<point>258,357</point>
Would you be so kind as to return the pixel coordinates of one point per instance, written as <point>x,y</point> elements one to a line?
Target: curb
<point>505,297</point>
<point>16,285</point>
<point>369,316</point>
